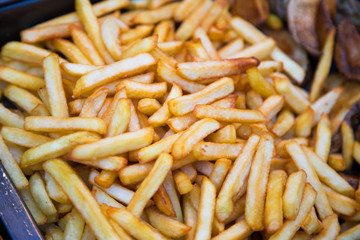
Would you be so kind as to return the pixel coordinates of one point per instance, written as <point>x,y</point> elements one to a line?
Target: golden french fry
<point>235,179</point>
<point>351,233</point>
<point>136,33</point>
<point>336,161</point>
<point>259,84</point>
<point>266,68</point>
<point>54,190</point>
<point>281,146</point>
<point>163,202</point>
<point>208,151</point>
<point>185,9</point>
<point>231,47</point>
<point>85,45</point>
<point>182,181</point>
<point>284,123</point>
<point>58,124</point>
<point>110,31</point>
<point>22,137</point>
<point>214,91</point>
<point>203,38</point>
<point>106,178</point>
<point>20,79</point>
<point>195,71</point>
<point>143,90</point>
<point>226,134</point>
<point>293,193</point>
<point>311,223</point>
<point>136,227</point>
<point>260,50</point>
<point>258,178</point>
<point>271,106</point>
<point>347,144</point>
<point>69,50</point>
<point>290,227</point>
<point>219,172</point>
<point>206,210</point>
<point>114,145</point>
<point>331,228</point>
<point>148,106</point>
<point>302,162</point>
<point>253,99</point>
<point>156,15</point>
<point>126,67</point>
<point>140,46</point>
<point>81,197</point>
<point>36,213</point>
<point>240,230</point>
<point>273,203</point>
<point>120,118</point>
<point>94,103</point>
<point>198,131</point>
<point>56,147</point>
<point>171,48</point>
<point>12,166</point>
<point>303,123</point>
<point>135,173</point>
<point>323,67</point>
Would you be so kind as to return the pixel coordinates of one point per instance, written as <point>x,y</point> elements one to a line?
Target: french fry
<point>331,228</point>
<point>106,178</point>
<point>266,68</point>
<point>20,79</point>
<point>215,68</point>
<point>54,232</point>
<point>193,135</point>
<point>185,8</point>
<point>88,19</point>
<point>255,196</point>
<point>284,87</point>
<point>253,99</point>
<point>206,210</point>
<point>25,53</point>
<point>208,151</point>
<point>336,161</point>
<point>54,87</point>
<point>259,84</point>
<point>150,184</point>
<point>120,118</point>
<point>166,225</point>
<point>219,172</point>
<point>347,135</point>
<point>76,106</point>
<point>238,173</point>
<point>311,223</point>
<point>240,230</point>
<point>80,197</point>
<point>54,190</point>
<point>103,198</point>
<point>190,216</point>
<point>140,46</point>
<point>271,106</point>
<point>143,90</point>
<point>23,138</point>
<point>281,146</point>
<point>226,134</point>
<point>231,47</point>
<point>135,173</point>
<point>56,147</point>
<point>203,38</point>
<point>114,145</point>
<point>260,50</point>
<point>214,91</point>
<point>126,67</point>
<point>148,106</point>
<point>341,203</point>
<point>323,67</point>
<point>94,103</point>
<point>69,50</point>
<point>163,202</point>
<point>284,122</point>
<point>136,227</point>
<point>329,176</point>
<point>182,181</point>
<point>351,233</point>
<point>290,227</point>
<point>40,195</point>
<point>36,213</point>
<point>85,45</point>
<point>190,171</point>
<point>302,162</point>
<point>193,20</point>
<point>136,33</point>
<point>273,203</point>
<point>303,123</point>
<point>197,50</point>
<point>169,74</point>
<point>171,48</point>
<point>12,166</point>
<point>156,15</point>
<point>228,115</point>
<point>110,31</point>
<point>293,193</point>
<point>58,124</point>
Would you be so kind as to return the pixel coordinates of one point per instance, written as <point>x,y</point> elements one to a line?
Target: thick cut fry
<point>295,100</point>
<point>323,67</point>
<point>253,99</point>
<point>323,138</point>
<point>81,197</point>
<point>169,74</point>
<point>213,14</point>
<point>94,103</point>
<point>12,166</point>
<point>110,31</point>
<point>347,144</point>
<point>240,230</point>
<point>135,173</point>
<point>281,146</point>
<point>274,204</point>
<point>148,106</point>
<point>235,179</point>
<point>195,71</point>
<point>219,172</point>
<point>83,42</point>
<point>156,15</point>
<point>69,50</point>
<point>136,227</point>
<point>201,36</point>
<point>56,147</point>
<point>136,33</point>
<point>198,131</point>
<point>54,190</point>
<point>226,134</point>
<point>185,9</point>
<point>206,210</point>
<point>22,137</point>
<point>54,87</point>
<point>143,90</point>
<point>88,19</point>
<point>160,117</point>
<point>328,175</point>
<point>352,233</point>
<point>271,106</point>
<point>114,145</point>
<point>182,181</point>
<point>168,226</point>
<point>284,123</point>
<point>208,151</point>
<point>120,118</point>
<point>163,202</point>
<point>258,178</point>
<point>259,84</point>
<point>268,67</point>
<point>331,228</point>
<point>228,115</point>
<point>171,48</point>
<point>293,194</point>
<point>20,79</point>
<point>260,50</point>
<point>303,123</point>
<point>290,227</point>
<point>336,161</point>
<point>126,67</point>
<point>214,91</point>
<point>105,178</point>
<point>58,124</point>
<point>188,26</point>
<point>311,223</point>
<point>36,213</point>
<point>230,48</point>
<point>197,50</point>
<point>140,46</point>
<point>302,162</point>
<point>25,53</point>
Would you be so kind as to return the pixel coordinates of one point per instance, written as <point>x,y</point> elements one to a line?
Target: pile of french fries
<point>174,120</point>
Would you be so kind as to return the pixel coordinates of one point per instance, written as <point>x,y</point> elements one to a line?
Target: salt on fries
<point>185,122</point>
